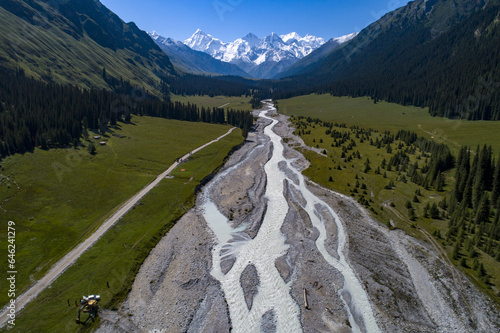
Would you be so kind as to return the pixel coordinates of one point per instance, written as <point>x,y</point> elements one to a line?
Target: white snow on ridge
<point>201,41</point>
<point>166,41</point>
<point>345,38</point>
<point>260,59</point>
<point>251,51</point>
<point>254,49</point>
<point>291,36</point>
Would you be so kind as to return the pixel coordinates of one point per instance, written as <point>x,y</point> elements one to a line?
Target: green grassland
<point>117,256</point>
<point>236,103</point>
<point>364,112</point>
<point>57,198</point>
<point>348,175</point>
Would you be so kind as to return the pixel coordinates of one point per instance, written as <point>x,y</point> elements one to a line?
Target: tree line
<point>475,207</point>
<point>455,74</point>
<point>441,160</point>
<point>435,158</point>
<point>190,84</point>
<point>49,115</point>
<point>471,207</point>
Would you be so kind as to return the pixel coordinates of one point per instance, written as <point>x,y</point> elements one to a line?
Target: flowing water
<point>270,243</point>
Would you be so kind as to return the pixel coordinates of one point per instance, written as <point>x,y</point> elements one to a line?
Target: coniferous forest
<point>475,206</point>
<point>455,74</point>
<point>467,86</point>
<point>189,84</point>
<point>471,206</point>
<point>48,115</point>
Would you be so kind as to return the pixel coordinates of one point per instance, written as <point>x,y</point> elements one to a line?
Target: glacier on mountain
<point>192,61</point>
<point>261,57</point>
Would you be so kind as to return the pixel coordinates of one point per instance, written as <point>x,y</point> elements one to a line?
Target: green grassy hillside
<point>71,43</point>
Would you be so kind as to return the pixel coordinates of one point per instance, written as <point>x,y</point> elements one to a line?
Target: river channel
<point>269,244</point>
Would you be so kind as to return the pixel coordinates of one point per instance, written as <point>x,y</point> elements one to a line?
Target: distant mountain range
<point>260,57</point>
<point>191,61</point>
<point>441,54</point>
<point>316,55</point>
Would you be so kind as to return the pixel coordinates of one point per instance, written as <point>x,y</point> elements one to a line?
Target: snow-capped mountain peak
<point>251,39</point>
<point>162,40</point>
<point>201,41</point>
<point>193,61</point>
<point>273,38</point>
<point>290,37</point>
<point>250,36</point>
<point>251,53</point>
<point>154,34</point>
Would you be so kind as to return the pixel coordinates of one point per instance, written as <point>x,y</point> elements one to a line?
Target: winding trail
<point>74,254</point>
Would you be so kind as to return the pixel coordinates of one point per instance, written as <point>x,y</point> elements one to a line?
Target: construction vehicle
<point>88,305</point>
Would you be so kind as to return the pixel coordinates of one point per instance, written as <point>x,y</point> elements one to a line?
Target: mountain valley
<point>284,183</point>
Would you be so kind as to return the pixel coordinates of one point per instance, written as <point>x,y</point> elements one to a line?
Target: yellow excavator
<point>89,305</point>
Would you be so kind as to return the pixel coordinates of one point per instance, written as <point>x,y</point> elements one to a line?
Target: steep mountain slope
<point>316,55</point>
<point>260,57</point>
<point>72,41</point>
<point>192,61</point>
<point>441,53</point>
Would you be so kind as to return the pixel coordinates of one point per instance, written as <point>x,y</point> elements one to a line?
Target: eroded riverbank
<point>287,247</point>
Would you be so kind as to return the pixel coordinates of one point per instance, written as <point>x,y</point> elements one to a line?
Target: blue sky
<point>231,19</point>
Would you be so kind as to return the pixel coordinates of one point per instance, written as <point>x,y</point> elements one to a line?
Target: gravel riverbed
<point>410,287</point>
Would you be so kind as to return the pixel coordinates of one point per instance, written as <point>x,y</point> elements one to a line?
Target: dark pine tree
<point>462,173</point>
<point>495,193</point>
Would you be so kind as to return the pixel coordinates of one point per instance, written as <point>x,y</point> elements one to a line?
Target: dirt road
<point>72,256</point>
